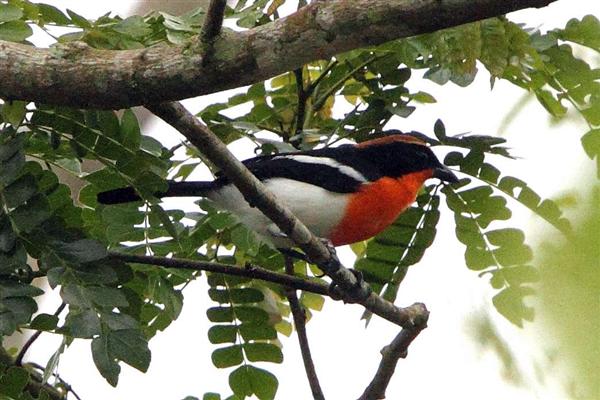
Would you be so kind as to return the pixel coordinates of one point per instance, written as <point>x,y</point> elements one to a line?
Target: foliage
<point>118,307</point>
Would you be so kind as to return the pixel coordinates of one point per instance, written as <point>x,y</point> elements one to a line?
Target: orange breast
<point>376,206</point>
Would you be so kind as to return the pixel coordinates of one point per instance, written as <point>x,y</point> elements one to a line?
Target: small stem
<point>335,87</point>
<point>313,86</point>
<point>213,21</point>
<point>34,337</point>
<point>212,28</point>
<point>249,271</point>
<point>302,97</point>
<point>299,315</point>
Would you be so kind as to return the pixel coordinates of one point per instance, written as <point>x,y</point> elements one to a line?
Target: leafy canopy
<point>118,307</point>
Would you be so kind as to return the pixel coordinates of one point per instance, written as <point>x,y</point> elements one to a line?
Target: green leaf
<point>130,346</point>
<point>44,322</point>
<point>8,239</point>
<point>21,308</point>
<point>12,382</point>
<point>227,356</point>
<point>17,289</point>
<point>9,12</point>
<point>106,297</point>
<point>591,145</point>
<point>84,324</point>
<point>251,314</point>
<point>105,362</point>
<point>14,111</point>
<point>236,295</point>
<point>30,215</point>
<point>134,26</point>
<point>118,321</point>
<point>20,191</point>
<point>75,295</point>
<point>248,380</point>
<point>52,14</point>
<point>218,334</point>
<point>263,352</point>
<point>11,168</point>
<point>509,303</point>
<point>15,31</point>
<point>255,331</point>
<point>81,251</point>
<point>551,103</point>
<point>585,32</point>
<point>79,20</point>
<point>220,314</point>
<point>130,129</point>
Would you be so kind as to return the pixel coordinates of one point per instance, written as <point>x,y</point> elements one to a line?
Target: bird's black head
<point>398,155</point>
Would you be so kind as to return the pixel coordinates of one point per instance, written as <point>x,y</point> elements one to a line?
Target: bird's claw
<point>359,292</point>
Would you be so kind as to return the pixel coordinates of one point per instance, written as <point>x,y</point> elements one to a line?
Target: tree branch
<point>302,97</point>
<point>214,20</point>
<point>390,355</point>
<point>299,315</point>
<point>256,194</point>
<point>118,79</point>
<point>250,271</point>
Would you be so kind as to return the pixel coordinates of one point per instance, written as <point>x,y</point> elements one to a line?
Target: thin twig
<point>313,86</point>
<point>64,383</point>
<point>249,271</point>
<point>212,28</point>
<point>299,316</point>
<point>257,195</point>
<point>390,355</point>
<point>34,337</point>
<point>213,21</point>
<point>300,113</point>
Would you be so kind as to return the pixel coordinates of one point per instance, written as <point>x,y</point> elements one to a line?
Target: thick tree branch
<point>390,355</point>
<point>299,315</point>
<point>256,194</point>
<point>77,75</point>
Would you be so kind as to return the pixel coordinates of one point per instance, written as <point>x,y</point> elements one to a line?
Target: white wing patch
<point>344,169</point>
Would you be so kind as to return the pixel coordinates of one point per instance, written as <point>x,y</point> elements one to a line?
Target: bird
<point>343,194</point>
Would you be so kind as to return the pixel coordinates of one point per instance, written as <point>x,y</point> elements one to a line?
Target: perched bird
<point>343,194</point>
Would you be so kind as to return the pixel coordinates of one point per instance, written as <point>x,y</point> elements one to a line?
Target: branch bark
<point>250,271</point>
<point>214,20</point>
<point>390,355</point>
<point>299,315</point>
<point>76,75</point>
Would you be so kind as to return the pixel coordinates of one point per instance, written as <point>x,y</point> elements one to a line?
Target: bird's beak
<point>444,174</point>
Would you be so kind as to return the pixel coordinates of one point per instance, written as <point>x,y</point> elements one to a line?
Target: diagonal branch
<point>390,355</point>
<point>256,194</point>
<point>118,79</point>
<point>299,315</point>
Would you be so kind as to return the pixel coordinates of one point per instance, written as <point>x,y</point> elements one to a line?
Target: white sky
<point>444,361</point>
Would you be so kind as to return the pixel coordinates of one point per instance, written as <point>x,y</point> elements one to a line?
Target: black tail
<point>175,189</point>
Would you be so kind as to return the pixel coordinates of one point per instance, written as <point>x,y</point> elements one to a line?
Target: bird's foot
<point>357,293</point>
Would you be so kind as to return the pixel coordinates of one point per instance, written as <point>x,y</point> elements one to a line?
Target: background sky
<point>446,360</point>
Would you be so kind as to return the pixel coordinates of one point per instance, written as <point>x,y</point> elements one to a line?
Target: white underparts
<point>319,209</point>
